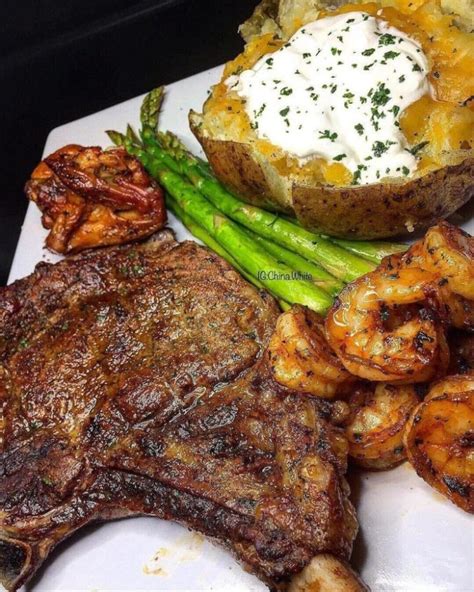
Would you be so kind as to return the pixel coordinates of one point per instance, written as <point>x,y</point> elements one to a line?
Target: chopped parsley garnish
<point>381,96</point>
<point>285,91</point>
<point>390,55</point>
<point>359,128</point>
<point>395,110</point>
<point>335,51</point>
<point>368,52</point>
<point>356,176</point>
<point>339,157</point>
<point>269,61</point>
<point>378,148</point>
<point>405,171</point>
<point>415,149</point>
<point>401,78</point>
<point>284,112</point>
<point>327,135</point>
<point>348,96</point>
<point>386,39</point>
<point>416,68</point>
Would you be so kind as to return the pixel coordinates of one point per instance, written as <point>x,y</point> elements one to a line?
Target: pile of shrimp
<point>396,351</point>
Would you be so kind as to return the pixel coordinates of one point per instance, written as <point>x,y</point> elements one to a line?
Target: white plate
<point>411,539</point>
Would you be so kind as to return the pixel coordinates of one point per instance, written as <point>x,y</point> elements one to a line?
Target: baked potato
<point>438,128</point>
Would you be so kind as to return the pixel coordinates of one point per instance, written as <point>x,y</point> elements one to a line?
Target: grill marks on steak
<point>132,381</point>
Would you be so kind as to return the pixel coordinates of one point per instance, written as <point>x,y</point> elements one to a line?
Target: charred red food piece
<point>91,197</point>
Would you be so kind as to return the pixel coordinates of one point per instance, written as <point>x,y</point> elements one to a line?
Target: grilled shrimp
<point>377,422</point>
<point>300,357</point>
<point>440,439</point>
<point>448,252</point>
<point>386,327</point>
<point>461,348</point>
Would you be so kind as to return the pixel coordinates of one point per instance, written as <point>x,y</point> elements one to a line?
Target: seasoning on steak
<point>133,381</point>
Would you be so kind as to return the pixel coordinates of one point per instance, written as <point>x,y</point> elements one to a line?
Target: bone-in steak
<point>133,380</point>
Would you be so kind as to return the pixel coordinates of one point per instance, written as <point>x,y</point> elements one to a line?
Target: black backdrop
<point>64,59</point>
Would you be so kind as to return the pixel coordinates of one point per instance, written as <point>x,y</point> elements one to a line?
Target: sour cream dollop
<point>336,91</point>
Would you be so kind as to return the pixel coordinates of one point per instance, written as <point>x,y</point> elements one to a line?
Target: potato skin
<point>234,165</point>
<point>380,210</point>
<point>385,209</point>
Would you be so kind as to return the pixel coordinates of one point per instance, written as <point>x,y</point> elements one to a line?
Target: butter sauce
<point>336,91</point>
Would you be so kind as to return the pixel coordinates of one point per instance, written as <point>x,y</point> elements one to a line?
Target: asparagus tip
<point>150,109</point>
<point>117,138</point>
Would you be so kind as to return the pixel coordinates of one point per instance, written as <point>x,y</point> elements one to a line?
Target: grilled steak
<point>133,380</point>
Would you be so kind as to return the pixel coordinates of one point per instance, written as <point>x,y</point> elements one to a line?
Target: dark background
<point>64,59</point>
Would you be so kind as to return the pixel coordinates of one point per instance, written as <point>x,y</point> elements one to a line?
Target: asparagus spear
<point>374,251</point>
<point>319,276</point>
<point>250,256</point>
<point>207,239</point>
<point>333,258</point>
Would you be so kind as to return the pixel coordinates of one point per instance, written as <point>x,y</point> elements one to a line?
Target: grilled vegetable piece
<point>440,439</point>
<point>386,327</point>
<point>90,197</point>
<point>302,266</point>
<point>203,236</point>
<point>300,357</point>
<point>377,422</point>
